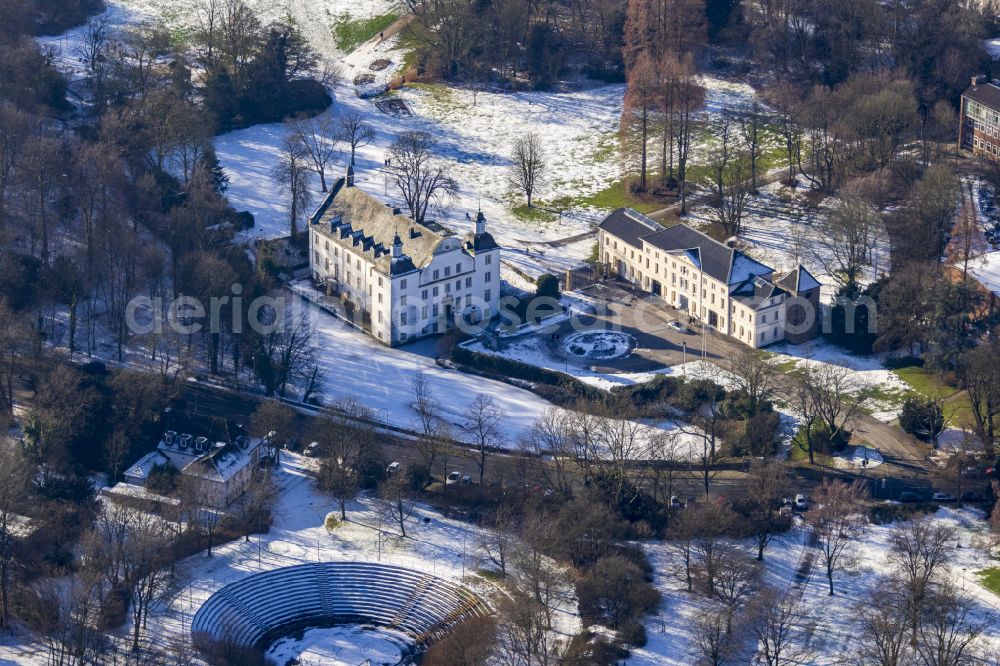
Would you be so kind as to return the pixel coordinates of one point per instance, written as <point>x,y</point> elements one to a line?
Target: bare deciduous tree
<point>527,164</point>
<point>420,178</point>
<point>729,181</point>
<point>16,474</point>
<point>735,581</point>
<point>318,135</point>
<point>145,568</point>
<point>754,375</point>
<point>837,519</point>
<point>355,133</point>
<point>767,482</point>
<point>499,541</point>
<point>920,549</point>
<point>550,439</point>
<point>884,628</point>
<point>292,172</point>
<point>711,544</point>
<point>775,621</point>
<point>951,630</point>
<point>483,421</point>
<point>397,505</point>
<point>845,246</point>
<point>714,644</point>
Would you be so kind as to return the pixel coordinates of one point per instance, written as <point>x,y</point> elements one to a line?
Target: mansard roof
<point>358,221</point>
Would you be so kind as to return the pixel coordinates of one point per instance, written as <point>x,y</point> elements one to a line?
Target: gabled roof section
<point>718,260</point>
<point>798,280</point>
<point>355,219</point>
<point>629,225</point>
<point>145,465</point>
<point>984,93</point>
<point>220,464</point>
<point>713,258</point>
<point>745,268</point>
<point>694,254</point>
<point>755,291</point>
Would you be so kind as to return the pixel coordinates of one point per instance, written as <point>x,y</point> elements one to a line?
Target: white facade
<point>726,291</point>
<point>406,279</point>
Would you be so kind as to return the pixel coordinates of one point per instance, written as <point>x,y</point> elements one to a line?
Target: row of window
<point>981,113</point>
<point>986,147</point>
<point>434,309</point>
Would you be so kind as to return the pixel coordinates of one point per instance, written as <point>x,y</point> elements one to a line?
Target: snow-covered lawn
<point>670,631</point>
<point>354,365</point>
<point>781,228</point>
<point>473,141</point>
<point>435,544</point>
<point>867,373</point>
<point>986,269</point>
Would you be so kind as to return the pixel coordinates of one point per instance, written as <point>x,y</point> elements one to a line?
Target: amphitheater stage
<point>348,645</point>
<point>303,602</point>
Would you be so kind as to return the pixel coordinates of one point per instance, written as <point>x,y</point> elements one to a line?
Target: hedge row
<point>504,367</point>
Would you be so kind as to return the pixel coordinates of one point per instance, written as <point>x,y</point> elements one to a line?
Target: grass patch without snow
<point>349,33</point>
<point>990,579</point>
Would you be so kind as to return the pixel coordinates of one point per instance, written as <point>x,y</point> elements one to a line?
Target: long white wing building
<point>710,281</point>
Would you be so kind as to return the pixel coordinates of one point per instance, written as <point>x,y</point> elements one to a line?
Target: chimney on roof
<point>414,233</point>
<point>349,176</point>
<point>397,247</point>
<point>976,80</point>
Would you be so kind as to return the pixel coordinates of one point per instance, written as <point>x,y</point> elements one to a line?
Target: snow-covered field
<point>670,632</point>
<point>353,365</point>
<point>986,269</point>
<point>443,547</point>
<point>780,228</point>
<point>867,373</point>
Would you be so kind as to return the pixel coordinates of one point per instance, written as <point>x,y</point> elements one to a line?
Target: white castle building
<point>406,279</point>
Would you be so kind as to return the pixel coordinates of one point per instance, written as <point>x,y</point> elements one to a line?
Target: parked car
<point>975,496</point>
<point>679,327</point>
<point>311,450</point>
<point>975,471</point>
<point>466,480</point>
<point>801,503</point>
<point>453,478</point>
<point>392,468</point>
<point>676,502</point>
<point>942,497</point>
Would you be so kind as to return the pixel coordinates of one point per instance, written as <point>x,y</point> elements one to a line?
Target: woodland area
<point>117,193</point>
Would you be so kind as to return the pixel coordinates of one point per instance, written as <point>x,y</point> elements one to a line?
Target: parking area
<point>663,336</point>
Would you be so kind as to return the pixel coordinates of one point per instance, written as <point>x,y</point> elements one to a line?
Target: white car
<point>453,478</point>
<point>392,468</point>
<point>801,503</point>
<point>942,497</point>
<point>311,450</point>
<point>677,326</point>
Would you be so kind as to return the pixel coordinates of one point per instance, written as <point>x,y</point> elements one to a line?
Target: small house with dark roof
<point>711,281</point>
<point>409,279</point>
<point>979,114</point>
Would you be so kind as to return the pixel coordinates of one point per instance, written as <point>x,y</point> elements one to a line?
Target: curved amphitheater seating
<point>257,610</point>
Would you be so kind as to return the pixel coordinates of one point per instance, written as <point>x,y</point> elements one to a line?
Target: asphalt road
<point>887,481</point>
